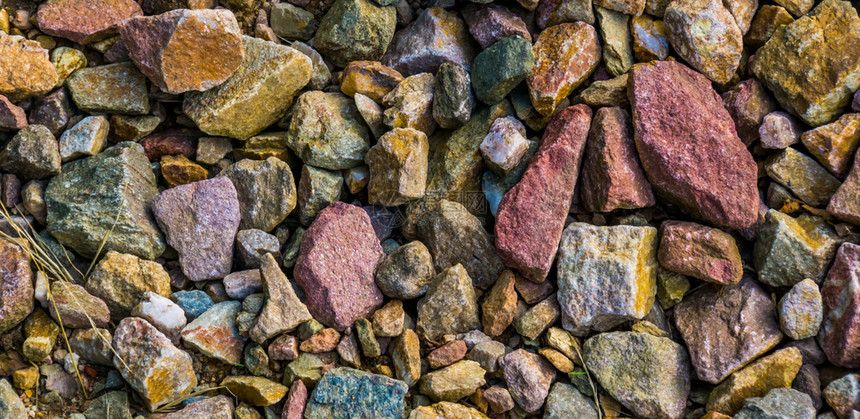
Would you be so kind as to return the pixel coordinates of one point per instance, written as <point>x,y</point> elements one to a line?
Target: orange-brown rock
<point>369,78</point>
<point>27,71</point>
<point>178,170</point>
<point>85,21</point>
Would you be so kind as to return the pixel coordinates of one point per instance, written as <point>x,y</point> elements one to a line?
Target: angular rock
<point>257,94</point>
<point>345,392</point>
<point>121,280</point>
<point>150,364</point>
<point>842,395</point>
<point>16,52</point>
<point>11,405</point>
<point>487,353</point>
<point>689,148</point>
<point>528,377</point>
<point>53,111</point>
<point>292,22</point>
<point>410,104</point>
<point>705,34</point>
<point>612,177</point>
<point>354,30</point>
<point>86,138</point>
<point>283,311</point>
<point>444,410</point>
<point>406,357</point>
<point>257,391</point>
<point>834,144</point>
<point>85,21</point>
<point>449,307</point>
<point>499,306</point>
<point>789,250</point>
<point>318,188</point>
<point>840,294</point>
<point>215,334</point>
<point>748,103</point>
<point>194,302</point>
<point>338,256</point>
<point>649,375</point>
<point>163,314</point>
<point>434,37</point>
<point>705,253</point>
<point>802,176</point>
<point>32,153</point>
<point>369,78</point>
<point>845,202</point>
<point>565,401</point>
<point>500,68</point>
<point>178,170</point>
<point>76,308</point>
<point>184,50</point>
<point>564,56</point>
<point>533,322</point>
<point>398,167</point>
<point>800,310</point>
<point>756,380</point>
<point>650,40</point>
<point>41,336</point>
<point>200,221</point>
<point>617,42</point>
<point>406,273</point>
<point>764,24</point>
<point>779,403</point>
<point>778,130</point>
<point>555,12</point>
<point>12,117</point>
<point>326,130</point>
<point>252,244</point>
<point>605,275</point>
<point>492,23</point>
<point>811,65</point>
<point>93,345</point>
<point>453,99</point>
<point>531,215</point>
<point>266,192</point>
<point>447,354</point>
<point>112,88</point>
<point>726,327</point>
<point>218,407</point>
<point>453,382</point>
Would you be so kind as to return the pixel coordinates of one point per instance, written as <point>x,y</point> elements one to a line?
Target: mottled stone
<point>40,77</point>
<point>492,23</point>
<point>345,392</point>
<point>257,94</point>
<point>726,327</point>
<point>194,302</point>
<point>554,12</point>
<point>327,131</point>
<point>53,111</point>
<point>445,410</point>
<point>449,307</point>
<point>369,78</point>
<point>564,56</point>
<point>453,382</point>
<point>748,103</point>
<point>32,153</point>
<point>811,65</point>
<point>805,178</point>
<point>266,192</point>
<point>447,354</point>
<point>505,145</point>
<point>612,92</point>
<point>531,215</point>
<point>840,293</point>
<point>200,221</point>
<point>500,68</point>
<point>528,377</point>
<point>338,256</point>
<point>434,37</point>
<point>257,391</point>
<point>533,322</point>
<point>565,401</point>
<point>605,275</point>
<point>453,100</point>
<point>252,244</point>
<point>12,117</point>
<point>317,189</point>
<point>215,334</point>
<point>689,148</point>
<point>617,42</point>
<point>217,407</point>
<point>121,280</point>
<point>845,202</point>
<point>834,144</point>
<point>151,365</point>
<point>354,30</point>
<point>170,142</point>
<point>407,272</point>
<point>756,380</point>
<point>767,19</point>
<point>705,34</point>
<point>291,22</point>
<point>612,177</point>
<point>398,167</point>
<point>499,306</point>
<point>76,308</point>
<point>650,38</point>
<point>184,50</point>
<point>132,128</point>
<point>789,250</point>
<point>779,403</point>
<point>843,395</point>
<point>113,88</point>
<point>406,356</point>
<point>283,311</point>
<point>778,130</point>
<point>705,253</point>
<point>178,170</point>
<point>92,345</point>
<point>649,375</point>
<point>40,334</point>
<point>409,105</point>
<point>85,21</point>
<point>800,310</point>
<point>86,138</point>
<point>627,7</point>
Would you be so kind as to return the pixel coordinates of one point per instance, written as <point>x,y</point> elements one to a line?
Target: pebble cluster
<point>429,209</point>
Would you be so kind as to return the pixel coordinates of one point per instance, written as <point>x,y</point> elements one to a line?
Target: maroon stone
<point>447,354</point>
<point>10,190</point>
<point>528,377</point>
<point>702,252</point>
<point>688,145</point>
<point>170,143</point>
<point>53,111</point>
<point>493,23</point>
<point>611,175</point>
<point>85,21</point>
<point>533,292</point>
<point>531,215</point>
<point>436,36</point>
<point>16,285</point>
<point>284,348</point>
<point>294,408</point>
<point>336,263</point>
<point>12,117</point>
<point>839,336</point>
<point>200,221</point>
<point>748,103</point>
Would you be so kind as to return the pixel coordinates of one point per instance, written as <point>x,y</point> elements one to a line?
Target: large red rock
<point>531,215</point>
<point>85,21</point>
<point>336,263</point>
<point>184,50</point>
<point>839,336</point>
<point>689,147</point>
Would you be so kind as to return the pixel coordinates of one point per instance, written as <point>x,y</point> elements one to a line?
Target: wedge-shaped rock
<point>449,307</point>
<point>283,311</point>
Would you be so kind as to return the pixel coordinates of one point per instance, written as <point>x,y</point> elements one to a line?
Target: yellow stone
<point>66,60</point>
<point>557,359</point>
<point>369,78</point>
<point>178,170</point>
<point>445,410</point>
<point>773,371</point>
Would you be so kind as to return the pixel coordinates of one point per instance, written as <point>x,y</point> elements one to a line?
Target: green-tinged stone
<point>257,391</point>
<point>307,367</point>
<point>406,272</point>
<point>617,42</point>
<point>32,153</point>
<point>66,61</point>
<point>41,335</point>
<point>132,128</point>
<point>291,22</point>
<point>266,192</point>
<point>671,287</point>
<point>647,374</point>
<point>317,189</point>
<point>327,131</point>
<point>446,410</point>
<point>345,393</point>
<point>406,357</point>
<point>812,65</point>
<point>755,380</point>
<point>113,405</point>
<point>789,250</point>
<point>453,99</point>
<point>706,35</point>
<point>121,280</point>
<point>531,324</point>
<point>11,405</point>
<point>843,395</point>
<point>803,176</point>
<point>364,332</point>
<point>565,401</point>
<point>255,96</point>
<point>449,307</point>
<point>91,194</point>
<point>113,88</point>
<point>500,68</point>
<point>453,382</point>
<point>398,167</point>
<point>612,92</point>
<point>354,30</point>
<point>779,403</point>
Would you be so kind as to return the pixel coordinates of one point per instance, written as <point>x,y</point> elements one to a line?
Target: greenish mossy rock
<point>501,67</point>
<point>354,30</point>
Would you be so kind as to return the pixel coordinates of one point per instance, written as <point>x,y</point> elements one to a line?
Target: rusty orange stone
<point>178,170</point>
<point>18,54</point>
<point>85,21</point>
<point>370,78</point>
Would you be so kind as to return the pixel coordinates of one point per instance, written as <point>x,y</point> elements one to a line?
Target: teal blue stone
<point>500,68</point>
<point>193,303</point>
<point>345,393</point>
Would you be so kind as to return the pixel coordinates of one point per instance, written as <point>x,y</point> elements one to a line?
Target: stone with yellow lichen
<point>41,335</point>
<point>704,33</point>
<point>121,280</point>
<point>256,391</point>
<point>565,55</point>
<point>606,275</point>
<point>66,60</point>
<point>773,371</point>
<point>369,78</point>
<point>327,131</point>
<point>834,144</point>
<point>410,104</point>
<point>29,72</point>
<point>789,250</point>
<point>812,65</point>
<point>764,24</point>
<point>444,410</point>
<point>649,38</point>
<point>802,176</point>
<point>178,170</point>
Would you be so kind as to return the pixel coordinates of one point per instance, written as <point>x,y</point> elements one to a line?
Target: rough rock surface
<point>565,55</point>
<point>266,192</point>
<point>18,52</point>
<point>16,285</point>
<point>85,21</point>
<point>436,36</point>
<point>360,393</point>
<point>449,307</point>
<point>283,311</point>
<point>705,253</point>
<point>706,35</point>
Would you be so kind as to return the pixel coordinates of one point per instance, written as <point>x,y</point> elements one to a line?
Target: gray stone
<point>266,192</point>
<point>789,250</point>
<point>327,131</point>
<point>31,154</point>
<point>252,244</point>
<point>449,307</point>
<point>779,403</point>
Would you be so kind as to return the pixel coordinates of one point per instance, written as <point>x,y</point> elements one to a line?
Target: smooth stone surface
<point>86,138</point>
<point>407,272</point>
<point>162,313</point>
<point>705,253</point>
<point>453,382</point>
